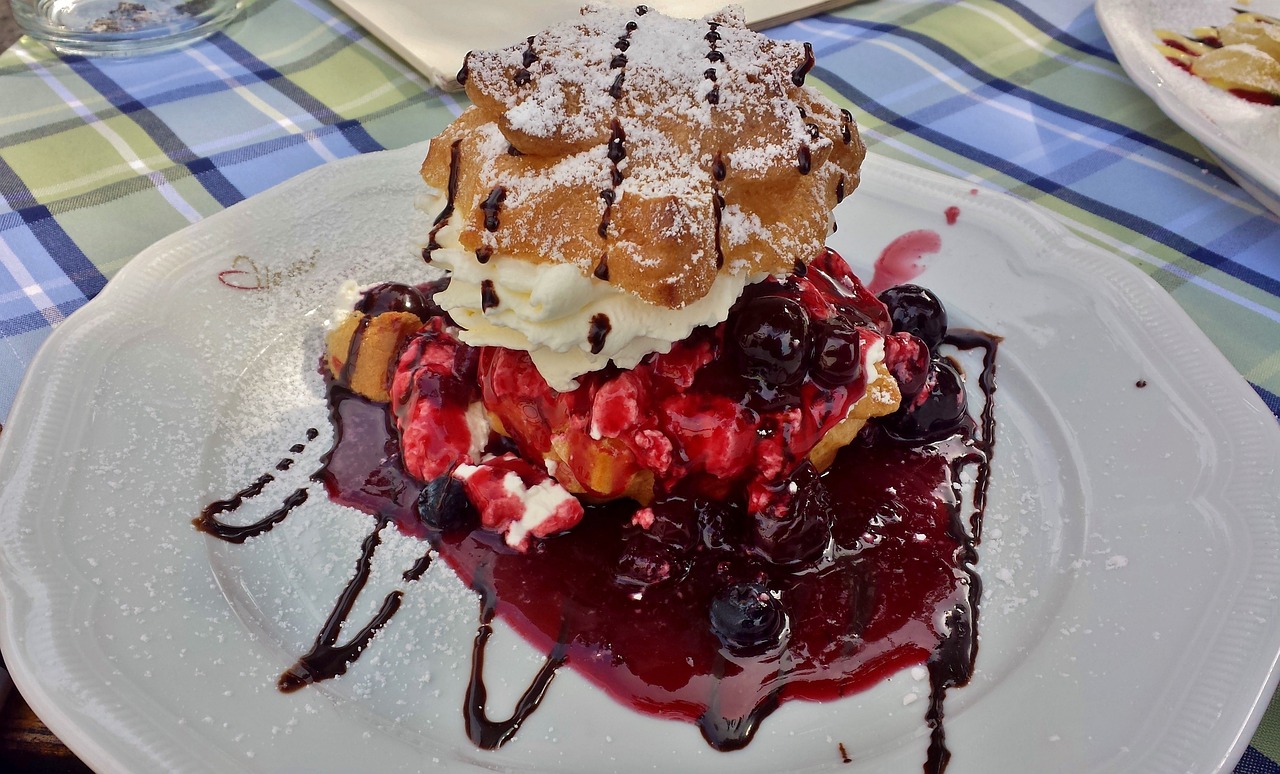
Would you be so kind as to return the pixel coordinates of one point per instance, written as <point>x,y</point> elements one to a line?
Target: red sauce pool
<point>865,613</point>
<point>895,587</point>
<point>903,259</point>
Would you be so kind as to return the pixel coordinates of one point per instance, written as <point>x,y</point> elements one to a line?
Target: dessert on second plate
<point>1241,57</point>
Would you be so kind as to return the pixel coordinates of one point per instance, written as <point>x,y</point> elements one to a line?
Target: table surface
<point>99,158</point>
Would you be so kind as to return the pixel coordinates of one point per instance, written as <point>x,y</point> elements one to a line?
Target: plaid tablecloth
<point>100,158</point>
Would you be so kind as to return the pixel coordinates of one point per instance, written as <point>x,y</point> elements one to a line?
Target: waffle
<point>651,152</point>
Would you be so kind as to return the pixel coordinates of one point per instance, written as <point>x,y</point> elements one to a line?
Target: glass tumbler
<point>120,27</point>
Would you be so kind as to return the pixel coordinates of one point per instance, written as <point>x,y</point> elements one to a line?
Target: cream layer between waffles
<point>638,299</point>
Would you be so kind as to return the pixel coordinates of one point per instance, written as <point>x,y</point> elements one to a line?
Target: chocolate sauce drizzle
<point>491,734</point>
<point>492,206</point>
<point>209,523</point>
<point>395,297</point>
<point>617,147</point>
<point>804,159</point>
<point>328,659</point>
<point>609,196</point>
<point>353,349</point>
<point>840,190</point>
<point>727,734</point>
<point>713,37</point>
<point>455,156</point>
<point>718,173</point>
<point>798,74</point>
<point>522,76</point>
<point>616,152</point>
<point>599,331</point>
<point>419,568</point>
<point>804,156</point>
<point>717,204</point>
<point>488,296</point>
<point>952,662</point>
<point>619,60</point>
<point>846,121</point>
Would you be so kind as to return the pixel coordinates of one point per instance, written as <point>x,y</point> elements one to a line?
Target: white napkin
<point>434,35</point>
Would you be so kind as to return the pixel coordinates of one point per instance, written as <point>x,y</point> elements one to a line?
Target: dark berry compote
<point>717,559</point>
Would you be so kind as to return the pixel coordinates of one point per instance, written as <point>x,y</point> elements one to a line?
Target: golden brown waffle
<point>650,152</point>
<point>361,352</point>
<point>881,399</point>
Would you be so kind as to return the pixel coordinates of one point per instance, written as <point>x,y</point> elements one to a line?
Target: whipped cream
<point>510,506</point>
<point>347,297</point>
<point>872,359</point>
<point>547,309</point>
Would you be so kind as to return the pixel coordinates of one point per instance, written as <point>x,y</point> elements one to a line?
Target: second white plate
<point>1244,137</point>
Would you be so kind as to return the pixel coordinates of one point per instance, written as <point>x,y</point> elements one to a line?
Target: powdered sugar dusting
<point>633,133</point>
<point>664,65</point>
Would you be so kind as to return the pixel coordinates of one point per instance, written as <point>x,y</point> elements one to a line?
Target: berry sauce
<point>681,609</point>
<point>903,259</point>
<point>864,611</point>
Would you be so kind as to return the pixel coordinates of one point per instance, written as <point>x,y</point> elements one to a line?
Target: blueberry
<point>917,311</point>
<point>907,358</point>
<point>797,527</point>
<point>645,562</point>
<point>837,353</point>
<point>720,526</point>
<point>443,506</point>
<point>937,412</point>
<point>765,398</point>
<point>748,619</point>
<point>675,521</point>
<point>770,334</point>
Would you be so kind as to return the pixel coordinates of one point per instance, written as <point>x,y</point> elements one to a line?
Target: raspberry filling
<point>733,408</point>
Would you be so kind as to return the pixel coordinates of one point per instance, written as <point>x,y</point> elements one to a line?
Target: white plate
<point>1131,556</point>
<point>1244,137</point>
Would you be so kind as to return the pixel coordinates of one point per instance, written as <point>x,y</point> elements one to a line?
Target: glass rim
<point>146,39</point>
